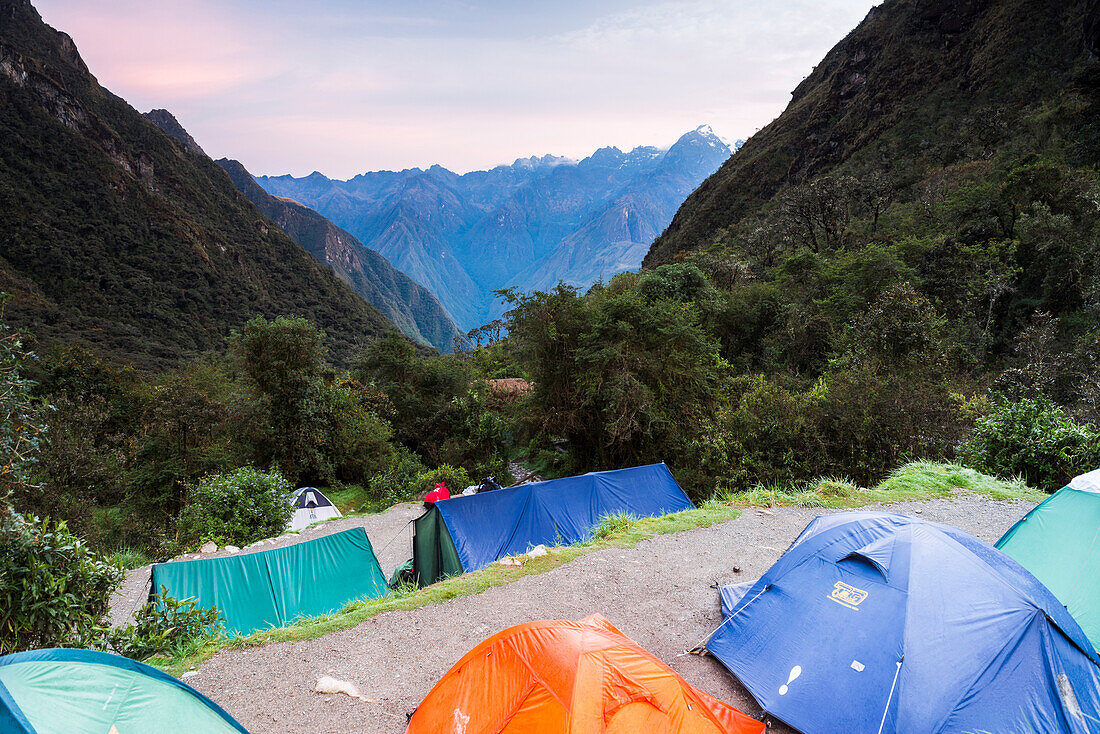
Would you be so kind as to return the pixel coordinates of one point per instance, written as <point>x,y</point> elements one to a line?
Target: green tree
<point>284,360</point>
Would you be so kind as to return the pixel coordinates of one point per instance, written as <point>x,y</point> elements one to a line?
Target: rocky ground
<point>659,593</point>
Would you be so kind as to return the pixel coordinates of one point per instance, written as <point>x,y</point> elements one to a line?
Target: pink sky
<point>347,86</point>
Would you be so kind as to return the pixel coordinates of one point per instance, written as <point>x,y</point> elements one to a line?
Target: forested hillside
<point>410,306</point>
<point>112,235</point>
<point>901,265</point>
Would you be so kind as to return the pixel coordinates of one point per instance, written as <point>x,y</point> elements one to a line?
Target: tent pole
<point>890,697</point>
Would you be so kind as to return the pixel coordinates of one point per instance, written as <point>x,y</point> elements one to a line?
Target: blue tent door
<point>857,646</point>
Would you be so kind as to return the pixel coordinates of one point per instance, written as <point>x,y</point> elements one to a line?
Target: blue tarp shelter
<point>872,622</point>
<point>272,588</point>
<point>468,533</point>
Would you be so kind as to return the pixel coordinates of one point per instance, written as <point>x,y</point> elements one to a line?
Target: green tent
<point>272,588</point>
<point>1059,542</point>
<point>89,692</point>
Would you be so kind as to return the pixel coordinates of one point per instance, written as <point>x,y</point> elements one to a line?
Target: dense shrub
<point>163,624</point>
<point>437,406</point>
<point>54,591</point>
<point>239,507</point>
<point>21,429</point>
<point>454,477</point>
<point>400,481</point>
<point>1034,439</point>
<point>408,479</point>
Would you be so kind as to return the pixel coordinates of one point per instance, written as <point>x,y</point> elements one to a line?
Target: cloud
<point>354,86</point>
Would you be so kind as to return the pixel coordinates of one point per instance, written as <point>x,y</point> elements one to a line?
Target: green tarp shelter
<point>1059,542</point>
<point>272,588</point>
<point>89,692</point>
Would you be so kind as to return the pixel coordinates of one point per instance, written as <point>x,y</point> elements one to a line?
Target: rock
<point>328,684</point>
<point>538,550</point>
<point>189,674</point>
<point>511,561</point>
<point>208,547</point>
<point>231,549</point>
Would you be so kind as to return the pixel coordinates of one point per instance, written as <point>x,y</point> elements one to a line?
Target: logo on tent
<point>846,595</point>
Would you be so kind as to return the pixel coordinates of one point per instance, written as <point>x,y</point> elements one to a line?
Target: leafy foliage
<point>628,373</point>
<point>1034,439</point>
<point>164,624</point>
<point>21,429</point>
<point>437,407</point>
<point>54,590</point>
<point>239,507</point>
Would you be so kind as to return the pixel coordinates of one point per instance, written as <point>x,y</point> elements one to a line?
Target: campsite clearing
<point>658,593</point>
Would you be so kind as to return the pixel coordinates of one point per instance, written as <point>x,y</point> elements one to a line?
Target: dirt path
<point>390,534</point>
<point>658,593</point>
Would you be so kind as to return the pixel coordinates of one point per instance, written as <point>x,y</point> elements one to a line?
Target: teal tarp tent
<point>88,692</point>
<point>1059,542</point>
<point>272,588</point>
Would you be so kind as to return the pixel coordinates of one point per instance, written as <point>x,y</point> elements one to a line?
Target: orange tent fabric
<point>570,678</point>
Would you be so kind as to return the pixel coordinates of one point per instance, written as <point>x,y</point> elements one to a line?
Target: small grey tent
<point>310,506</point>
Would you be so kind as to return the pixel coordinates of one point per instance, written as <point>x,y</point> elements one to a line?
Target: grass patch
<point>918,480</point>
<point>350,499</point>
<point>617,532</point>
<point>129,558</point>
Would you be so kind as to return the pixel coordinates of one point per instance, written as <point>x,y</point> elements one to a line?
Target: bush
<point>164,624</point>
<point>1033,439</point>
<point>400,481</point>
<point>455,477</point>
<point>54,591</point>
<point>239,507</point>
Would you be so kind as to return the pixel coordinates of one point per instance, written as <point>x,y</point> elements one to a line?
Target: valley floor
<point>658,593</point>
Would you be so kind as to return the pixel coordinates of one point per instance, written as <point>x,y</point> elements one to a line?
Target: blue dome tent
<point>872,622</point>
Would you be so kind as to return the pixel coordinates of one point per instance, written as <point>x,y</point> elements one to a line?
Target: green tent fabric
<point>89,692</point>
<point>434,554</point>
<point>1059,543</point>
<point>272,588</point>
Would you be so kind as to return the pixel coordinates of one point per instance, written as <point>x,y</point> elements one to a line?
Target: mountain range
<point>527,225</point>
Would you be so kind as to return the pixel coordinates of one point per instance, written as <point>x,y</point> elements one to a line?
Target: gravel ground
<point>658,593</point>
<point>390,534</point>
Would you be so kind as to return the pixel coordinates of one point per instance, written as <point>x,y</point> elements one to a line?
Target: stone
<point>208,547</point>
<point>328,684</point>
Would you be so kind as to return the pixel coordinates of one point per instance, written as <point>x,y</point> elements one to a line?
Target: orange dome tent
<point>570,678</point>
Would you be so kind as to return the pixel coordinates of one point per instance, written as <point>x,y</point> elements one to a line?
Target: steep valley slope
<point>114,235</point>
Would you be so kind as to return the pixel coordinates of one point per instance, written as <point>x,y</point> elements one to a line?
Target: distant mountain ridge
<point>114,235</point>
<point>409,305</point>
<point>527,225</point>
